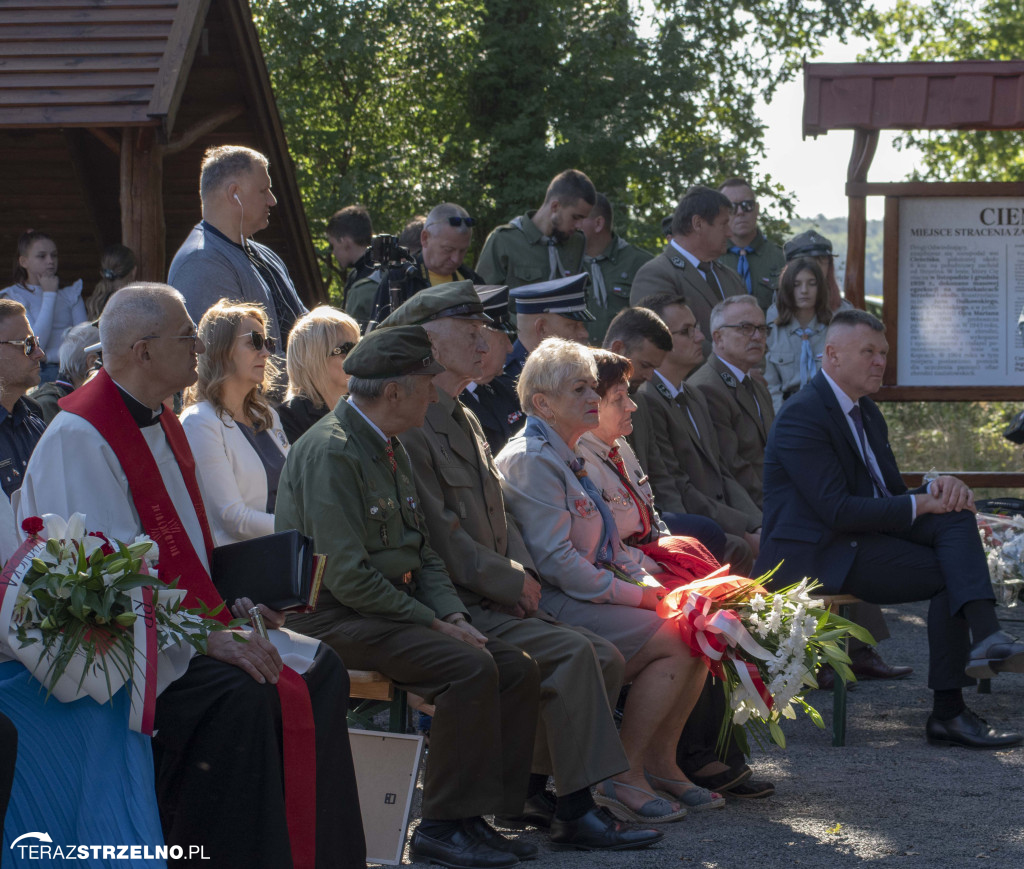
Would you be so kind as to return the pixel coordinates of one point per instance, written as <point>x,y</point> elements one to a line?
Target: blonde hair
<point>218,330</point>
<point>555,363</point>
<point>310,342</point>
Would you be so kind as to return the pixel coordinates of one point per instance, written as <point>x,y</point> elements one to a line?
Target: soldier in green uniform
<point>756,260</point>
<point>388,604</point>
<point>544,244</point>
<point>612,262</point>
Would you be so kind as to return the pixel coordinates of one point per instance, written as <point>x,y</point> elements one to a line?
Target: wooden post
<point>142,201</point>
<point>864,144</point>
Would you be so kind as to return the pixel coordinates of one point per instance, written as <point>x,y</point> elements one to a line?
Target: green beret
<point>455,299</point>
<point>392,352</point>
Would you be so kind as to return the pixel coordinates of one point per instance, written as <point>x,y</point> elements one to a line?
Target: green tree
<point>955,30</point>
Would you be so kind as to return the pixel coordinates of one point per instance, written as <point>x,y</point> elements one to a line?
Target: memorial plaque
<point>961,291</point>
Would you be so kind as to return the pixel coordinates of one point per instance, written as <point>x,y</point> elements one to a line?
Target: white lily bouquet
<point>1003,539</point>
<point>765,646</point>
<point>85,616</point>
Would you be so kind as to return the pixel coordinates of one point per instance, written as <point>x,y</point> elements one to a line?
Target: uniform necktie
<point>711,277</point>
<point>858,423</point>
<point>389,451</point>
<point>685,405</point>
<point>593,264</point>
<point>743,264</point>
<point>459,415</point>
<point>748,384</point>
<point>807,367</point>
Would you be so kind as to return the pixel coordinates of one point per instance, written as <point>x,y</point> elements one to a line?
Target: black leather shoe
<point>866,663</point>
<point>969,731</point>
<point>458,850</point>
<point>480,830</point>
<point>598,830</point>
<point>997,653</point>
<point>538,811</point>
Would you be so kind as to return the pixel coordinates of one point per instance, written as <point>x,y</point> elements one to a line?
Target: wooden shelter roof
<point>81,80</point>
<point>962,95</point>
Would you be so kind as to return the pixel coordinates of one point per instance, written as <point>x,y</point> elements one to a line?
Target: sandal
<point>693,796</point>
<point>725,780</point>
<point>655,809</point>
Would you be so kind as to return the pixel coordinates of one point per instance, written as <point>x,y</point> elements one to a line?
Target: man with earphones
<point>219,259</point>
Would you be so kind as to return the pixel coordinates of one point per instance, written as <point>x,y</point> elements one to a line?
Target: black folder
<point>278,570</point>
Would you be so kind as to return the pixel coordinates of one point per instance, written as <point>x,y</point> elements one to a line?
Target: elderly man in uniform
<point>612,263</point>
<point>388,603</point>
<point>740,406</point>
<point>544,244</point>
<point>581,673</point>
<point>687,266</point>
<point>754,258</point>
<point>552,308</point>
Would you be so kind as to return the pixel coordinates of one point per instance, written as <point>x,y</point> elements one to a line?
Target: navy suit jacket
<point>818,496</point>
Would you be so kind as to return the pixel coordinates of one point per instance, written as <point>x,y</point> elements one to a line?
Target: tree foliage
<point>956,30</point>
<point>400,105</point>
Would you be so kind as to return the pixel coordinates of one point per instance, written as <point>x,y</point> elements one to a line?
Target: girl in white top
<point>796,339</point>
<point>51,309</point>
<point>234,433</point>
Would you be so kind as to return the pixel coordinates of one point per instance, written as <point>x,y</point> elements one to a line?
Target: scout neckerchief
<point>99,403</point>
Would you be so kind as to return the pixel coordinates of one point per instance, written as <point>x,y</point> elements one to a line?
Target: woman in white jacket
<point>234,433</point>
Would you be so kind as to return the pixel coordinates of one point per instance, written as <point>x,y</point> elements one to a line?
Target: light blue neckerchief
<point>807,367</point>
<point>536,427</point>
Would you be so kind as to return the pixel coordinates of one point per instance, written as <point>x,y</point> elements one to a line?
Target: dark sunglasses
<point>259,341</point>
<point>746,205</point>
<point>29,344</point>
<point>458,221</point>
<point>342,349</point>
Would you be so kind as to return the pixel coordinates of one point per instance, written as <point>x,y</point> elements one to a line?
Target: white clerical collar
<point>740,375</point>
<point>846,403</point>
<point>672,388</point>
<point>370,422</point>
<point>689,256</point>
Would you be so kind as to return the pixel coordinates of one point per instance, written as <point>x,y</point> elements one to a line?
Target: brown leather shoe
<point>866,663</point>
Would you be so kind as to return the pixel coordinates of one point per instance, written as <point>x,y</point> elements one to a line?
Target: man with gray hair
<point>221,779</point>
<point>219,259</point>
<point>444,241</point>
<point>75,364</point>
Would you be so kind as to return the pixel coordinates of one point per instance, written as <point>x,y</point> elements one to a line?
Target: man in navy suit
<point>836,510</point>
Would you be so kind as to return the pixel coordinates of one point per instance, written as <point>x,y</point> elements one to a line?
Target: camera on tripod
<point>395,264</point>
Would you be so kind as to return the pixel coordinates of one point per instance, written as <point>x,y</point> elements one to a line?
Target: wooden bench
<point>376,691</point>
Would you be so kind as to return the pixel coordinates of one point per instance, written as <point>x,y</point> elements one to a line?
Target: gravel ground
<point>886,798</point>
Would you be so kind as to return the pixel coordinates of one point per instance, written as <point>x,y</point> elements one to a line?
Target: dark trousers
<point>941,560</point>
<point>219,771</point>
<point>707,531</point>
<point>8,755</point>
<point>699,739</point>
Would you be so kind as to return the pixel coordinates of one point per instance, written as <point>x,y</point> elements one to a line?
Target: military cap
<point>808,243</point>
<point>494,298</point>
<point>565,296</point>
<point>455,299</point>
<point>393,352</point>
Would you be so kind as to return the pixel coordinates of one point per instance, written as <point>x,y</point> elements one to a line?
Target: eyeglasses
<point>747,329</point>
<point>342,349</point>
<point>459,221</point>
<point>259,341</point>
<point>29,344</point>
<point>685,332</point>
<point>746,205</point>
<point>194,337</point>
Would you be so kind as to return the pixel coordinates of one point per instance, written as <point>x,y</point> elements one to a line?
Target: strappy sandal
<point>656,809</point>
<point>693,796</point>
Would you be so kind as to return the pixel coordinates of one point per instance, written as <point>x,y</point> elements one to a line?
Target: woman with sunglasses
<point>51,309</point>
<point>317,347</point>
<point>235,435</point>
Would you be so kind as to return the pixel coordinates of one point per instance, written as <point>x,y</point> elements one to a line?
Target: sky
<point>815,169</point>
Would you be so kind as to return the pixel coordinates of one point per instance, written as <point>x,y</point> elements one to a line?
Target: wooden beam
<point>202,128</point>
<point>106,139</point>
<point>974,479</point>
<point>177,61</point>
<point>864,144</point>
<point>142,206</point>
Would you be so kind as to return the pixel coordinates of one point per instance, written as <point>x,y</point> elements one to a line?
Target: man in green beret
<point>581,673</point>
<point>388,604</point>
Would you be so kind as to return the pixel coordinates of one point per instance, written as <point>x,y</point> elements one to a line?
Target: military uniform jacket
<point>482,547</point>
<point>646,451</point>
<point>670,272</point>
<point>340,490</point>
<point>496,407</point>
<point>618,265</point>
<point>742,421</point>
<point>704,486</point>
<point>766,262</point>
<point>516,254</point>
